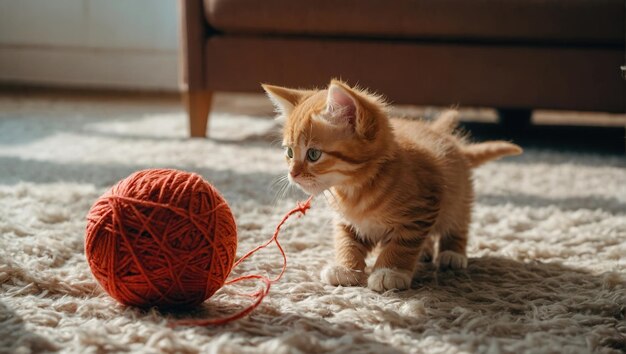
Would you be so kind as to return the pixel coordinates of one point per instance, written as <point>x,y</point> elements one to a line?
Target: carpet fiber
<point>547,246</point>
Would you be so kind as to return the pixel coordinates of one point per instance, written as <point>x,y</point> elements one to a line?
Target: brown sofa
<point>514,55</point>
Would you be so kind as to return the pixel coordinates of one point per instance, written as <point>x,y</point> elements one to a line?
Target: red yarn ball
<point>161,237</point>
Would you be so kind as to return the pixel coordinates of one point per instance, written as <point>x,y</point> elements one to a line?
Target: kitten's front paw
<point>451,260</point>
<point>340,275</point>
<point>384,279</point>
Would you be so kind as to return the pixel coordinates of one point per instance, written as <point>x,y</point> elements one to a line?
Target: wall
<point>130,44</point>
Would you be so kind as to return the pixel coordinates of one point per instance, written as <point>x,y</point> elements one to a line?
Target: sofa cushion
<point>563,21</point>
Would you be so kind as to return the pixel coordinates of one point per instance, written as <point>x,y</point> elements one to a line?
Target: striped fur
<point>397,184</point>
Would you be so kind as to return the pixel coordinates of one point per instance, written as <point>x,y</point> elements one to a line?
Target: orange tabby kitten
<point>396,183</point>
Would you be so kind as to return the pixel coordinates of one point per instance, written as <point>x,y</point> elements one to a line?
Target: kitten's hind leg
<point>452,250</point>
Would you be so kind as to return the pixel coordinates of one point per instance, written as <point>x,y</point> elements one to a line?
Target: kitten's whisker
<point>325,196</point>
<point>280,186</point>
<point>287,189</point>
<point>336,202</point>
<point>328,201</point>
<point>277,141</point>
<point>277,184</point>
<point>279,179</point>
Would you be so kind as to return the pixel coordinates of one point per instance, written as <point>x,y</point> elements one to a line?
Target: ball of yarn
<point>161,237</point>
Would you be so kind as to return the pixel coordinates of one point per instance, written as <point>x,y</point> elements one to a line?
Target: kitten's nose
<point>295,173</point>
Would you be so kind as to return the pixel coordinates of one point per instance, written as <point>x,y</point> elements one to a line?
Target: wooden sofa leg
<point>198,105</point>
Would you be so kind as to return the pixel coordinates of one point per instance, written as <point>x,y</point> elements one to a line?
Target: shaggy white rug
<point>547,250</point>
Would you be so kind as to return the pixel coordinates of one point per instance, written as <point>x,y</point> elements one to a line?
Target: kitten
<point>396,184</point>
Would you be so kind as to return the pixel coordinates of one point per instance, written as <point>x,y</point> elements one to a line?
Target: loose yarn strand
<point>260,294</point>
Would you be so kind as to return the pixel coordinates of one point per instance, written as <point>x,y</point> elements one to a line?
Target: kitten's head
<point>332,138</point>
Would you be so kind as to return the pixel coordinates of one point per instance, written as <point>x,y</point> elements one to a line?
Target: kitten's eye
<point>290,152</point>
<point>313,154</point>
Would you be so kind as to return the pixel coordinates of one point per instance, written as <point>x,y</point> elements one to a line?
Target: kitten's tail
<point>446,122</point>
<point>478,154</point>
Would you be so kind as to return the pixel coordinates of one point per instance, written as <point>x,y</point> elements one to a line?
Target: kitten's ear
<point>341,105</point>
<point>353,108</point>
<point>284,99</point>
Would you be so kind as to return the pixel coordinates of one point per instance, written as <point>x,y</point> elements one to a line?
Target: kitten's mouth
<point>308,187</point>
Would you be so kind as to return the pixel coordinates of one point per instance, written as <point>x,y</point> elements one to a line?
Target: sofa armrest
<point>193,30</point>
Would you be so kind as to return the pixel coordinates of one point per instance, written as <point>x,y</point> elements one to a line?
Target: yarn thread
<point>258,295</point>
<point>167,238</point>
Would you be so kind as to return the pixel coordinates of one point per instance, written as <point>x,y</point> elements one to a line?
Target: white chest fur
<point>368,228</point>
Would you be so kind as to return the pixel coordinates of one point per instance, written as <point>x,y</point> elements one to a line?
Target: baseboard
<point>86,67</point>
